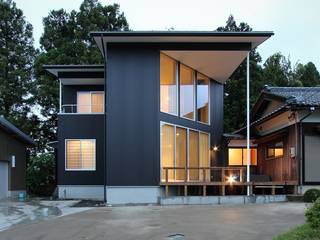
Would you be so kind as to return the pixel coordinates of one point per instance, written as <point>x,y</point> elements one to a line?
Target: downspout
<point>248,126</point>
<point>104,122</point>
<point>311,110</point>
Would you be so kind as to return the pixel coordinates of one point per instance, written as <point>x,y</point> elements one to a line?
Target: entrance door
<point>311,159</point>
<point>3,179</point>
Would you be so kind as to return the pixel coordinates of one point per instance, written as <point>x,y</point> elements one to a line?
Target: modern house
<point>14,146</point>
<point>150,117</point>
<point>285,136</point>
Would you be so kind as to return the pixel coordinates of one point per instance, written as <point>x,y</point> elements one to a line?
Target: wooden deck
<point>217,176</point>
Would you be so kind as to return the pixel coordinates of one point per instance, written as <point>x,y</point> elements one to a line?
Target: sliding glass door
<point>183,148</point>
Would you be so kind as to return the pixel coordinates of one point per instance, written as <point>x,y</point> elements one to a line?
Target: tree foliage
<point>66,40</point>
<point>41,174</point>
<point>277,70</point>
<point>16,61</point>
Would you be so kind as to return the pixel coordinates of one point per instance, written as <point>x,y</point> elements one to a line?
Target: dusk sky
<point>295,23</point>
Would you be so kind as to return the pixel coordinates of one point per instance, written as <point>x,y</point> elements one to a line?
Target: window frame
<point>91,92</point>
<point>274,147</point>
<point>82,169</point>
<point>209,102</point>
<point>177,78</point>
<point>242,160</point>
<point>195,89</point>
<point>187,149</point>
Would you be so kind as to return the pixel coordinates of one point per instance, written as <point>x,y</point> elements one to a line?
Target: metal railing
<point>87,109</point>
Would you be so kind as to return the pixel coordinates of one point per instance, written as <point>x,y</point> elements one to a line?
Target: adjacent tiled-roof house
<point>285,131</point>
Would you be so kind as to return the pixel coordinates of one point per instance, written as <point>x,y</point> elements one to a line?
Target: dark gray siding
<point>80,126</point>
<point>133,116</point>
<point>11,146</point>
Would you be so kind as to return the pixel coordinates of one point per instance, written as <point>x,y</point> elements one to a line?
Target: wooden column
<point>167,190</point>
<point>223,190</point>
<point>185,190</point>
<point>204,190</point>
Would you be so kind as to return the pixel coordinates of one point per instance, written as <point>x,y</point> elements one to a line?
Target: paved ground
<point>13,212</point>
<point>158,222</point>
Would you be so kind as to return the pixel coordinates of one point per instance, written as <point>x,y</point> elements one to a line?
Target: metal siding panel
<point>86,126</point>
<point>133,117</point>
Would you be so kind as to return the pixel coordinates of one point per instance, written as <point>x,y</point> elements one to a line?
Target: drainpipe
<point>248,125</point>
<point>104,122</point>
<point>311,110</point>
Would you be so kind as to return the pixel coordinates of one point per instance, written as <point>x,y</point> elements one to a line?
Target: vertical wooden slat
<point>223,190</point>
<point>167,190</point>
<point>204,174</point>
<point>204,190</point>
<point>273,191</point>
<point>185,190</point>
<point>167,177</point>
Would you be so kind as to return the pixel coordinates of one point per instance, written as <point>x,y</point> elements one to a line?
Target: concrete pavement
<point>163,222</point>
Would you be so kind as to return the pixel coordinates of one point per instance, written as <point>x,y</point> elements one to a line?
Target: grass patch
<point>303,232</point>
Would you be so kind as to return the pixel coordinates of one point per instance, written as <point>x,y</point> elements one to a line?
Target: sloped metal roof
<point>9,127</point>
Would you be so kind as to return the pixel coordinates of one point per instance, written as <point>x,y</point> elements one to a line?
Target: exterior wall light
<point>231,179</point>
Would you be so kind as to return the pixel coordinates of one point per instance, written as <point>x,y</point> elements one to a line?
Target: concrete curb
<point>222,200</point>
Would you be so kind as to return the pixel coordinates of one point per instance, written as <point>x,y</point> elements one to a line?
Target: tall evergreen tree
<point>66,40</point>
<point>307,74</point>
<point>235,87</point>
<point>16,59</point>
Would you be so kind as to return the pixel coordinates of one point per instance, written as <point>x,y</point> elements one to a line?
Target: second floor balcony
<point>83,109</point>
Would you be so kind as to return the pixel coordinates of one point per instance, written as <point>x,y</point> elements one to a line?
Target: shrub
<point>41,175</point>
<point>311,195</point>
<point>313,214</point>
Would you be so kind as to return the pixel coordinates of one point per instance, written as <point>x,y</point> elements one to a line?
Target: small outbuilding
<point>14,145</point>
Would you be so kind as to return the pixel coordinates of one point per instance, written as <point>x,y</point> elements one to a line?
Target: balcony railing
<point>84,109</point>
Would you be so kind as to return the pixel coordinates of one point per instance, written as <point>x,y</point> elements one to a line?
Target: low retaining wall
<point>223,200</point>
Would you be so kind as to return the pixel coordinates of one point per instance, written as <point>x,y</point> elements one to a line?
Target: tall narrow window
<point>203,98</point>
<point>204,155</point>
<point>167,151</point>
<point>90,102</point>
<point>81,154</point>
<point>186,92</point>
<point>168,85</point>
<point>194,155</point>
<point>181,152</point>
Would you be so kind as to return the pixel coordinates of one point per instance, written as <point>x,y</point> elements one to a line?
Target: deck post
<point>167,175</point>
<point>185,190</point>
<point>223,189</point>
<point>248,125</point>
<point>204,190</point>
<point>273,190</point>
<point>167,190</point>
